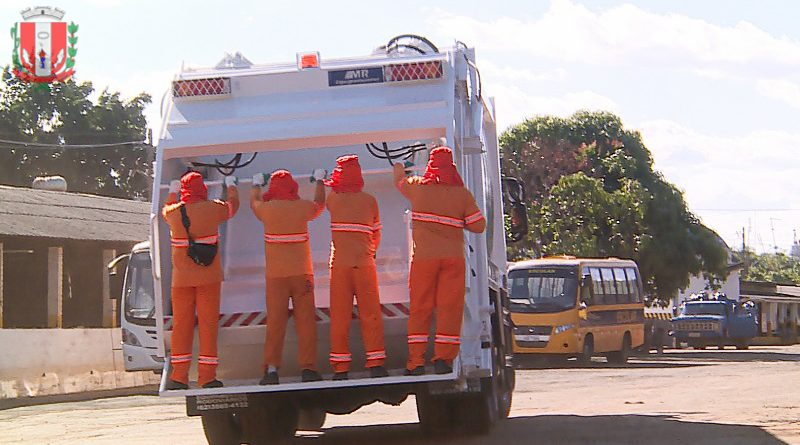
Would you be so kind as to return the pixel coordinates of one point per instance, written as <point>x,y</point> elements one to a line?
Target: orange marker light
<point>307,60</point>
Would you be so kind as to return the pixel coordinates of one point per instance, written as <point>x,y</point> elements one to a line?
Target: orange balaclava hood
<point>281,186</point>
<point>193,189</point>
<point>441,169</point>
<point>346,177</point>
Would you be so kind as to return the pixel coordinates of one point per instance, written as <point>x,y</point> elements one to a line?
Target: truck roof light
<point>215,86</point>
<point>413,71</point>
<point>307,60</point>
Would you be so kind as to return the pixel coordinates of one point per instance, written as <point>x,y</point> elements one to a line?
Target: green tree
<point>772,267</point>
<point>64,114</point>
<point>593,192</point>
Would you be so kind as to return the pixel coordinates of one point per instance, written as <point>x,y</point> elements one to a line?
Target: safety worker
<point>441,207</point>
<point>289,270</point>
<point>355,235</point>
<point>195,287</point>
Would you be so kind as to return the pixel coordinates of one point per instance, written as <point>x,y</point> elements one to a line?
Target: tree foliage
<point>66,114</point>
<point>771,267</point>
<point>592,191</point>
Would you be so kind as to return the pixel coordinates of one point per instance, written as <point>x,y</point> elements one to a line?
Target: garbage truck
<point>239,118</point>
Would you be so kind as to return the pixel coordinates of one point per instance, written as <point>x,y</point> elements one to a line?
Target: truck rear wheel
<point>742,344</point>
<point>435,412</point>
<point>221,428</point>
<point>268,420</point>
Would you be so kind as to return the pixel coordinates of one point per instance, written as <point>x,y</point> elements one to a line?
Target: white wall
<point>38,362</point>
<point>696,284</point>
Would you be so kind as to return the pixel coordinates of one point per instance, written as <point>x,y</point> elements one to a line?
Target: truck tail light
<point>307,60</point>
<point>413,71</point>
<point>215,86</point>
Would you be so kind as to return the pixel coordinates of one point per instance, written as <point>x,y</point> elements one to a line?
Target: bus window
<point>633,284</point>
<point>597,286</point>
<point>623,293</point>
<point>609,289</point>
<point>139,304</point>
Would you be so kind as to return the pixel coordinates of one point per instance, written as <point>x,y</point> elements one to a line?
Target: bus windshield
<point>704,309</point>
<point>543,289</point>
<point>139,304</point>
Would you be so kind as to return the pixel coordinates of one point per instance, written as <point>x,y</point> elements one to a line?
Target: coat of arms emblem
<point>44,46</point>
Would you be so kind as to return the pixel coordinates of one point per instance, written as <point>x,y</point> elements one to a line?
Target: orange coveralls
<point>194,286</point>
<point>355,233</point>
<point>437,281</point>
<point>289,273</point>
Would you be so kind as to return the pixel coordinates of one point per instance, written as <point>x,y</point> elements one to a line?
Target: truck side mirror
<point>514,193</point>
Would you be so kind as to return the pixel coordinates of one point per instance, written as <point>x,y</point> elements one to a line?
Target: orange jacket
<point>205,218</point>
<point>440,213</point>
<point>285,222</point>
<point>355,228</point>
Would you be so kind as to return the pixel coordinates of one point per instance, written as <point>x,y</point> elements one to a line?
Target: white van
<point>239,118</point>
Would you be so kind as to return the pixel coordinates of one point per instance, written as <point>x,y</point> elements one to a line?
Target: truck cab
<point>239,118</point>
<point>713,319</point>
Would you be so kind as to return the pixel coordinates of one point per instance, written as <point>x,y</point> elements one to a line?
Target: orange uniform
<point>195,287</point>
<point>441,209</point>
<point>355,233</point>
<point>289,270</point>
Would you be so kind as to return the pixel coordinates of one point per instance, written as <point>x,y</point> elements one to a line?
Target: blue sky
<point>714,86</point>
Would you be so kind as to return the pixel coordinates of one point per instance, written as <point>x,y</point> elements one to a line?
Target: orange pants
<point>361,281</point>
<point>436,283</point>
<point>184,301</point>
<point>300,289</point>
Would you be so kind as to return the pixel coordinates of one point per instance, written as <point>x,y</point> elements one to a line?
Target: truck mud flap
<point>197,405</point>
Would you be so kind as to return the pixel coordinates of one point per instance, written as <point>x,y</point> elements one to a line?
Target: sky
<point>713,86</point>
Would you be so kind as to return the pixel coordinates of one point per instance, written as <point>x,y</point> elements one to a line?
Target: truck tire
<point>742,344</point>
<point>435,412</point>
<point>221,428</point>
<point>478,412</point>
<point>267,421</point>
<point>310,419</point>
<point>585,357</point>
<point>621,357</point>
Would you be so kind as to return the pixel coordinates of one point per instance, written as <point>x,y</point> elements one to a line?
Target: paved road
<point>705,397</point>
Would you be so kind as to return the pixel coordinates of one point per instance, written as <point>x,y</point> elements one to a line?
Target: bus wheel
<point>621,357</point>
<point>585,358</point>
<point>221,428</point>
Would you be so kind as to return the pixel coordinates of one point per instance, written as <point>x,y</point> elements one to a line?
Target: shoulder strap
<point>186,222</point>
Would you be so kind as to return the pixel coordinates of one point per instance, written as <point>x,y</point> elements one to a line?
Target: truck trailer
<point>239,118</point>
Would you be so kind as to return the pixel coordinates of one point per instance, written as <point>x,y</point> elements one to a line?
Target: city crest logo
<point>44,46</point>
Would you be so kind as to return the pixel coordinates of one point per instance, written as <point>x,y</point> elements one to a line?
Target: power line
<point>748,210</point>
<point>45,146</point>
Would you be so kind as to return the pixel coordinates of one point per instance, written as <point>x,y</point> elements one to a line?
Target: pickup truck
<point>713,319</point>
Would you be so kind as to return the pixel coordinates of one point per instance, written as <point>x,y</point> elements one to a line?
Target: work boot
<point>341,376</point>
<point>173,385</point>
<point>441,367</point>
<point>377,372</point>
<point>309,375</point>
<point>213,384</point>
<point>270,378</point>
<point>419,370</point>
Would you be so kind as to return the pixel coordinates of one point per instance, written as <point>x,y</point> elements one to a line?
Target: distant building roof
<point>774,292</point>
<point>67,215</point>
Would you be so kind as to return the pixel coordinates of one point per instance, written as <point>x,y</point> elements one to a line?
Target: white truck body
<point>302,119</point>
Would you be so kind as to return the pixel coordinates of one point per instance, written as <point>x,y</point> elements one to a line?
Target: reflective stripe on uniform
<point>376,355</point>
<point>340,357</point>
<point>475,217</point>
<point>184,242</point>
<point>287,238</point>
<point>351,227</point>
<point>180,358</point>
<point>207,360</point>
<point>438,219</point>
<point>377,226</point>
<point>417,338</point>
<point>448,339</point>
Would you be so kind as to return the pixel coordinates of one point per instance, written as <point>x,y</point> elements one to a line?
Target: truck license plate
<point>694,334</point>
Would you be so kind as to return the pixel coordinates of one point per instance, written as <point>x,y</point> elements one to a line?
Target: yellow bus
<point>576,307</point>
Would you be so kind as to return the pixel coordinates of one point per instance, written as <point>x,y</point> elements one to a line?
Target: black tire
<point>221,428</point>
<point>621,357</point>
<point>742,344</point>
<point>435,413</point>
<point>268,421</point>
<point>585,357</point>
<point>310,419</point>
<point>478,412</point>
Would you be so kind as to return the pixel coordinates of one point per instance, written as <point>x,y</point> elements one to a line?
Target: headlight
<point>563,328</point>
<point>129,338</point>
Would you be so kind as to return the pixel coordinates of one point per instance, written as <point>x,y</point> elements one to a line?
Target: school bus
<point>565,307</point>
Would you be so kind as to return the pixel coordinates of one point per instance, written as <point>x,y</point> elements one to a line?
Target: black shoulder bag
<point>201,254</point>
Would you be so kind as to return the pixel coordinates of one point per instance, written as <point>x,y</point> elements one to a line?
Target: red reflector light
<point>201,87</point>
<point>413,71</point>
<point>307,60</point>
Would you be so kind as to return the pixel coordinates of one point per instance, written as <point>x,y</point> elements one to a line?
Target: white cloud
<point>571,32</point>
<point>780,89</point>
